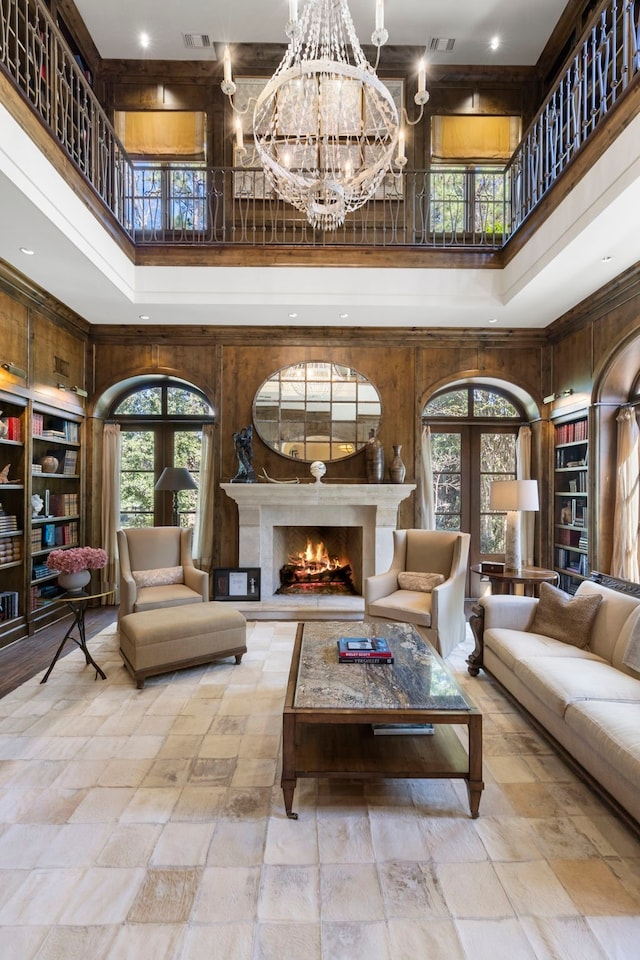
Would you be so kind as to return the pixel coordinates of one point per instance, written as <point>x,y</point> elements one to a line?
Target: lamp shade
<point>176,478</point>
<point>514,495</point>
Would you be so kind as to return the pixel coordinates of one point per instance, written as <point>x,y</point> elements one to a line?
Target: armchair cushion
<point>161,577</point>
<point>422,582</point>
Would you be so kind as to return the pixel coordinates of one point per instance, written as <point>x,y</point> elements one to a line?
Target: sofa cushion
<point>560,681</point>
<point>423,582</point>
<point>611,620</point>
<point>565,618</point>
<point>631,655</point>
<point>158,577</point>
<point>513,645</point>
<point>613,732</point>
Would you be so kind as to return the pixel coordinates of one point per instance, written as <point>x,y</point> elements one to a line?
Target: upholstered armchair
<point>425,585</point>
<point>157,569</point>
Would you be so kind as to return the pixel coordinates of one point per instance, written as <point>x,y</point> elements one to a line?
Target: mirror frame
<point>316,410</point>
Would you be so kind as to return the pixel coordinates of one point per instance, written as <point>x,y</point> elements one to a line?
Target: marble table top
<point>418,679</point>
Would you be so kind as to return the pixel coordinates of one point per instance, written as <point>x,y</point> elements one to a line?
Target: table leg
<point>78,611</point>
<point>288,781</point>
<point>476,622</point>
<point>475,784</point>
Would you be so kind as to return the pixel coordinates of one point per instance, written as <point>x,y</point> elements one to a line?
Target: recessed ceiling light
<point>27,252</point>
<point>607,259</point>
<point>145,40</point>
<point>144,316</point>
<point>493,319</point>
<point>494,43</point>
<point>292,316</point>
<point>344,316</point>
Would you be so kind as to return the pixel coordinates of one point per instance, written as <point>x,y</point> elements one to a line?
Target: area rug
<point>150,823</point>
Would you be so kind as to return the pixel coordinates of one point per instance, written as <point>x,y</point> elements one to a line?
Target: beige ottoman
<point>170,638</point>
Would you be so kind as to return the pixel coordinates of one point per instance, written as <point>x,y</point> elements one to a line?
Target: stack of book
<point>10,549</point>
<point>364,650</point>
<point>8,523</point>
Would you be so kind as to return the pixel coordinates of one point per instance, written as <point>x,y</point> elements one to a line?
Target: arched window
<point>474,431</point>
<point>160,426</point>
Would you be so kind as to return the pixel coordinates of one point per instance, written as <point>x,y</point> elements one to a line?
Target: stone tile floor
<point>150,824</point>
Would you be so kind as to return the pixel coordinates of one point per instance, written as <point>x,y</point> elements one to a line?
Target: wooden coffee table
<point>330,708</point>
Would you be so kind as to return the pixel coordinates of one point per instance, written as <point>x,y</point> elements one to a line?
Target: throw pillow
<point>563,617</point>
<point>160,577</point>
<point>424,582</point>
<point>631,656</point>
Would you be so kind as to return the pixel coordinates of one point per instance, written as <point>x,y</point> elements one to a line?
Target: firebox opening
<point>319,560</point>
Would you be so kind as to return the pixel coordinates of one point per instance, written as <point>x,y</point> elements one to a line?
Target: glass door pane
<point>187,451</point>
<point>137,478</point>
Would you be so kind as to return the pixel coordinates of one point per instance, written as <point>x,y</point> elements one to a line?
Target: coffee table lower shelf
<point>351,750</point>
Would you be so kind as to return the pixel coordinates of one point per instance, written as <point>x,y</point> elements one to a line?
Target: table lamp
<point>175,479</point>
<point>513,496</point>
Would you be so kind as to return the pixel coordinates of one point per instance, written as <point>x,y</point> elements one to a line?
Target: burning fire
<point>315,559</point>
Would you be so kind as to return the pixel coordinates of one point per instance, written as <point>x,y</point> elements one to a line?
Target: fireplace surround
<point>372,508</point>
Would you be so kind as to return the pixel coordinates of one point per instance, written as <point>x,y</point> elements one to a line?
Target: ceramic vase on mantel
<point>375,458</point>
<point>74,582</point>
<point>397,469</point>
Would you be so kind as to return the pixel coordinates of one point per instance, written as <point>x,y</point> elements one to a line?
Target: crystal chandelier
<point>326,128</point>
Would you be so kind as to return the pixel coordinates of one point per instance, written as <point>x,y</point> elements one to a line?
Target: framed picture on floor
<point>236,583</point>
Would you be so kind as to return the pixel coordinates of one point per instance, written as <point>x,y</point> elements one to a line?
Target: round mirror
<point>316,411</point>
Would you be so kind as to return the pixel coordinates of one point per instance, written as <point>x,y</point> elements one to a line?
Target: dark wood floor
<point>25,658</point>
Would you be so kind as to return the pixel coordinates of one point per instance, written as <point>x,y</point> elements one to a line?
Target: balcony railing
<point>190,204</point>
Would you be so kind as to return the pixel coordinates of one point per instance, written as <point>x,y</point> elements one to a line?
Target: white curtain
<point>110,505</point>
<point>203,532</point>
<point>427,505</point>
<point>626,531</point>
<point>523,472</point>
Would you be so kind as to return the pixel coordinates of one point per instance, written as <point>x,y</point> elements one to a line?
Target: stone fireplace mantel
<point>262,506</point>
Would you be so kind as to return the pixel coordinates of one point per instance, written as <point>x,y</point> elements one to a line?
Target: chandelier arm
<point>413,123</point>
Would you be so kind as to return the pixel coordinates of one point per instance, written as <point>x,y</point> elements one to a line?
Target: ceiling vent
<point>441,45</point>
<point>197,41</point>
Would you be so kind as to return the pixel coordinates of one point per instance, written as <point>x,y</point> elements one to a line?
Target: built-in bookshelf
<point>13,555</point>
<point>571,502</point>
<point>40,509</point>
<point>56,525</point>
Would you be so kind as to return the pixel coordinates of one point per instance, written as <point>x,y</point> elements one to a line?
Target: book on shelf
<point>49,534</point>
<point>70,462</point>
<point>364,650</point>
<point>8,605</point>
<point>402,729</point>
<point>8,523</point>
<point>14,428</point>
<point>37,424</point>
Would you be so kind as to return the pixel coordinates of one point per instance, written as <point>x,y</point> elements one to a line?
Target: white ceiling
<point>522,25</point>
<point>77,262</point>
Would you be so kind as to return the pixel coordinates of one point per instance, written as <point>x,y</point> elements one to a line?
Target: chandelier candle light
<point>325,127</point>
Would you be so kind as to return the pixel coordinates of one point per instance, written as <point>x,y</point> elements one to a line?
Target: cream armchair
<point>409,593</point>
<point>157,569</point>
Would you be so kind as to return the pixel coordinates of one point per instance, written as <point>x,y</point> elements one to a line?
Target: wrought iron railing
<point>604,63</point>
<point>477,208</point>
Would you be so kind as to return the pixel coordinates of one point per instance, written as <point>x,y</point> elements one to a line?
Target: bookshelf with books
<point>56,477</point>
<point>571,502</point>
<point>13,492</point>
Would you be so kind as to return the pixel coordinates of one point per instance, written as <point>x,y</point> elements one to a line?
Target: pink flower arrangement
<point>77,559</point>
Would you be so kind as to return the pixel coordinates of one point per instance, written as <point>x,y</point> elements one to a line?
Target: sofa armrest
<point>380,585</point>
<point>128,593</point>
<point>508,612</point>
<point>197,580</point>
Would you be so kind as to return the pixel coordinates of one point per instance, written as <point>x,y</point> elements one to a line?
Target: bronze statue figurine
<point>243,440</point>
